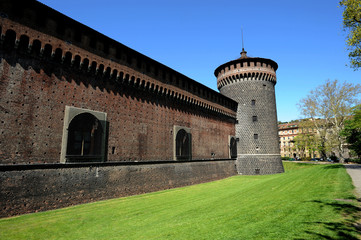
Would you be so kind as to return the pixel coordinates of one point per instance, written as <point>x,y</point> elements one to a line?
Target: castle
<point>85,118</point>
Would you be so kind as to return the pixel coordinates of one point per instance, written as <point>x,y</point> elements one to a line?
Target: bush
<point>352,160</point>
<point>305,159</point>
<point>286,158</point>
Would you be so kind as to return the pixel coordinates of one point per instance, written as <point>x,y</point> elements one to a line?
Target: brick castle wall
<point>49,62</point>
<point>143,103</point>
<point>29,188</point>
<point>34,96</point>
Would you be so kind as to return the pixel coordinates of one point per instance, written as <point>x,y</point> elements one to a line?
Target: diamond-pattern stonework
<point>256,130</point>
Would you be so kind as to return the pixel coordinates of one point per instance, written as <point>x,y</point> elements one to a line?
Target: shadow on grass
<point>353,166</point>
<point>348,229</point>
<point>333,166</point>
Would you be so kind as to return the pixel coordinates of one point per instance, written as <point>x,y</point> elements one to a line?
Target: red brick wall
<point>65,185</point>
<point>143,99</point>
<point>49,61</point>
<point>32,108</point>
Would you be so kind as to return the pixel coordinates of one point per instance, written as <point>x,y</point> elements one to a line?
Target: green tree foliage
<point>352,24</point>
<point>308,140</point>
<point>352,131</point>
<point>327,107</point>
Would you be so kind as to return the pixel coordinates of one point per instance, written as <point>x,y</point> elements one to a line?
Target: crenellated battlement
<point>45,33</point>
<point>168,84</point>
<point>246,69</point>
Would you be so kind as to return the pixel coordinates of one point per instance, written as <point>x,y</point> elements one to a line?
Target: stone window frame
<point>176,129</point>
<point>72,112</point>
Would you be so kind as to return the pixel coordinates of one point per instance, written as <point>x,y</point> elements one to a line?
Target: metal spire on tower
<point>243,53</point>
<point>242,40</point>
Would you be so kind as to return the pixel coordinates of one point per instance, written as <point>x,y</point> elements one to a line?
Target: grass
<point>299,204</point>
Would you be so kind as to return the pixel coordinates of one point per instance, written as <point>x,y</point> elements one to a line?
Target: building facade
<point>297,142</point>
<point>287,132</point>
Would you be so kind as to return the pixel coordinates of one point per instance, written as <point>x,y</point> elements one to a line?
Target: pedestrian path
<point>354,170</point>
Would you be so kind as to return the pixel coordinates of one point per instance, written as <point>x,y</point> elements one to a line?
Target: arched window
<point>84,138</point>
<point>233,147</point>
<point>182,145</point>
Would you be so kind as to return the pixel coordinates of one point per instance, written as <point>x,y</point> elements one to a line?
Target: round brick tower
<point>251,82</point>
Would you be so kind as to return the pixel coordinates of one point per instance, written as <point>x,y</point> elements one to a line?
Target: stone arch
<point>83,135</point>
<point>182,143</point>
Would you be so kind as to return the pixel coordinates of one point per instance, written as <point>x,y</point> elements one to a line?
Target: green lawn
<point>299,204</point>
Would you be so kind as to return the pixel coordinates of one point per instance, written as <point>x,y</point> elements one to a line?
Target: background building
<point>297,141</point>
<point>287,133</point>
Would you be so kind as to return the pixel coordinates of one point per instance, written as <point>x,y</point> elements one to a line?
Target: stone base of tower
<point>259,164</point>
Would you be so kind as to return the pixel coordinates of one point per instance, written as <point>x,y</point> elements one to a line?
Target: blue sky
<point>193,37</point>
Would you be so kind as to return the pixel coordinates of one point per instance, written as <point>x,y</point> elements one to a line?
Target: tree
<point>327,107</point>
<point>352,131</point>
<point>307,139</point>
<point>352,24</point>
